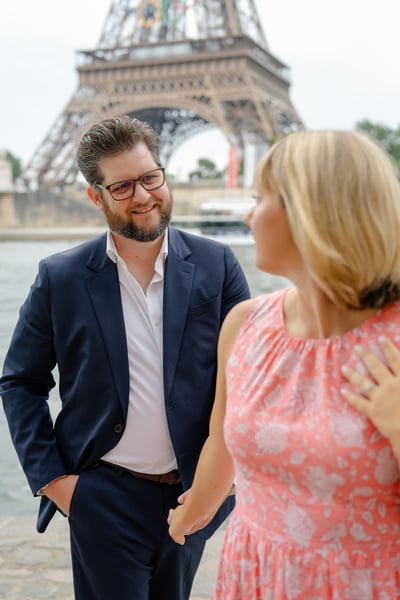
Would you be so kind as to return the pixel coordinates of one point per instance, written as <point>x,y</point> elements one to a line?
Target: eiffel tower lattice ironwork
<point>182,65</point>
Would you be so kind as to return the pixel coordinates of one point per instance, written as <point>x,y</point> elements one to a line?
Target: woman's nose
<point>248,217</point>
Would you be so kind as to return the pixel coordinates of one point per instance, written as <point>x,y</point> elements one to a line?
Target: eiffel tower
<point>183,66</point>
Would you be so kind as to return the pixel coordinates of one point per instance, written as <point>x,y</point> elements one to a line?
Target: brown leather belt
<point>170,478</point>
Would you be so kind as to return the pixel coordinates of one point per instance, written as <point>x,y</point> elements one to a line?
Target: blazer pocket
<point>74,506</point>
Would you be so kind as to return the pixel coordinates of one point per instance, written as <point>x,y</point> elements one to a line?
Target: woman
<point>317,482</point>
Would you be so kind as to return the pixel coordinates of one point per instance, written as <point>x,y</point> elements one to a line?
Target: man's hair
<point>111,137</point>
<point>341,193</point>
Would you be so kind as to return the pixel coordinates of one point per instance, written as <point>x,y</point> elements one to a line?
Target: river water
<point>18,266</point>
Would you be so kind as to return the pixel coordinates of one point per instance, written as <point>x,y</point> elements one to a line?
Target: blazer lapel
<point>178,280</point>
<point>103,287</point>
<point>104,291</point>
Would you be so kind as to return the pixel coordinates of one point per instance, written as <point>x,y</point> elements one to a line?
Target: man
<point>131,322</point>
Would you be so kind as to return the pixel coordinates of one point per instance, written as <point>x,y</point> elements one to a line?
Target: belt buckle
<point>170,478</point>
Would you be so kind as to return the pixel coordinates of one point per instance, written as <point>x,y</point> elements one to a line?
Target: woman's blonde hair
<point>342,197</point>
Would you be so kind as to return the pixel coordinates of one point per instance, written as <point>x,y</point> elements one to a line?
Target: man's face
<point>145,216</point>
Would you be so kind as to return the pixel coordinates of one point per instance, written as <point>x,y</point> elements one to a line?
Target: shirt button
<point>118,428</point>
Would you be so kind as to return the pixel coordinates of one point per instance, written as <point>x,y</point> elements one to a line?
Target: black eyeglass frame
<point>134,181</point>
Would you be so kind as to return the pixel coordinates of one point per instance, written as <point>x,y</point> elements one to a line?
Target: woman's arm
<point>214,473</point>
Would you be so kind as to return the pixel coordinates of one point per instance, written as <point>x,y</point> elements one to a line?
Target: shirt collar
<point>113,255</point>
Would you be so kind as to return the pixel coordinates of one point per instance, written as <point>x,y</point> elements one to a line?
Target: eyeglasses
<point>125,190</point>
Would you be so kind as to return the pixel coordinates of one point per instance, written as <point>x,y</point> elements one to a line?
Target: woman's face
<point>276,251</point>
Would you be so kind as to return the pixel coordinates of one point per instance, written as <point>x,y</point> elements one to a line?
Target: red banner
<point>233,168</point>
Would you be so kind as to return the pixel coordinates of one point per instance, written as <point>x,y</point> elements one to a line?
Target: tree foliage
<point>206,169</point>
<point>388,138</point>
<point>15,165</point>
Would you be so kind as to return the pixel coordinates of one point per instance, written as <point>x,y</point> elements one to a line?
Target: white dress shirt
<point>145,445</point>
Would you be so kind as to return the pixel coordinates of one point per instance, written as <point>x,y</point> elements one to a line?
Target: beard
<point>127,229</point>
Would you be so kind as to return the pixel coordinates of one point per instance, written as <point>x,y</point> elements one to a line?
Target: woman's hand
<point>379,395</point>
<point>179,525</point>
<point>182,497</point>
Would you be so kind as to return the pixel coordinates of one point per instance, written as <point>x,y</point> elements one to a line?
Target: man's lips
<point>143,211</point>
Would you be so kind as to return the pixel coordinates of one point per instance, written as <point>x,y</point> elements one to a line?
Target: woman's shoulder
<point>266,306</point>
<point>257,305</point>
<point>250,310</point>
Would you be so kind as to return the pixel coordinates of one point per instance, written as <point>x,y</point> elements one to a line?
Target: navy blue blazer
<point>72,320</point>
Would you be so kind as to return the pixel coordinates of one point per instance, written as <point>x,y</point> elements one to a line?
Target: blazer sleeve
<point>26,383</point>
<point>235,288</point>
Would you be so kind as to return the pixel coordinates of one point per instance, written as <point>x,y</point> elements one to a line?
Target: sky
<point>344,60</point>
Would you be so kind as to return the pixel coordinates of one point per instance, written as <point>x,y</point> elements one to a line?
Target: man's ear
<point>94,196</point>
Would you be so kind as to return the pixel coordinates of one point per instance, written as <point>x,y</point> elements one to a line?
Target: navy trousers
<point>120,544</point>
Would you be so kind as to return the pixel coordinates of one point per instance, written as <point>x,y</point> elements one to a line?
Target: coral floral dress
<point>317,514</point>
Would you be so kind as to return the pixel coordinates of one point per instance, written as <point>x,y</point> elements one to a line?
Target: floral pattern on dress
<point>317,513</point>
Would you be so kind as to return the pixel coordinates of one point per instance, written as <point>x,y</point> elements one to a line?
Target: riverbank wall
<point>71,207</point>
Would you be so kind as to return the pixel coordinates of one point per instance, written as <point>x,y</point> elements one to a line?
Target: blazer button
<point>118,428</point>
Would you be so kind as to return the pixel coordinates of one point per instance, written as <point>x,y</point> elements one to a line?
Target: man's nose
<point>141,195</point>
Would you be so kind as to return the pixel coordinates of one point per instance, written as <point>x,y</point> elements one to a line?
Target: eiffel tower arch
<point>182,65</point>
